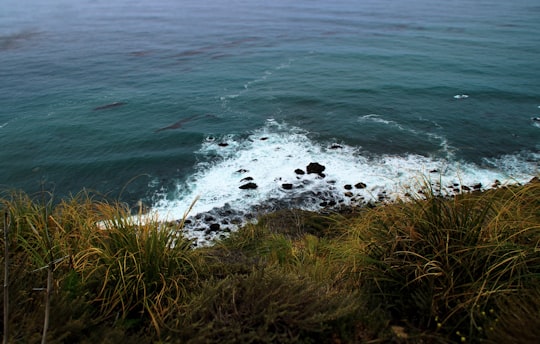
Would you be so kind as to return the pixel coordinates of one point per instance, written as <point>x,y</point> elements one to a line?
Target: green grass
<point>429,270</point>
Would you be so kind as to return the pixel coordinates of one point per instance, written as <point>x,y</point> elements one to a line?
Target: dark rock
<point>299,171</point>
<point>242,170</point>
<point>477,186</point>
<point>465,188</point>
<point>497,183</point>
<point>215,227</point>
<point>247,179</point>
<point>348,187</point>
<point>248,186</point>
<point>348,194</point>
<point>323,204</point>
<point>332,203</point>
<point>223,144</point>
<point>287,186</point>
<point>264,138</point>
<point>360,185</point>
<point>322,175</point>
<point>335,146</point>
<point>315,167</point>
<point>209,218</point>
<point>434,171</point>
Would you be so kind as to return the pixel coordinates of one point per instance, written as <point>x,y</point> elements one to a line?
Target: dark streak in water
<point>109,106</point>
<point>13,41</point>
<point>181,122</point>
<point>178,124</point>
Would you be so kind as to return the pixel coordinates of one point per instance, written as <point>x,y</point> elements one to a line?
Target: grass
<point>428,270</point>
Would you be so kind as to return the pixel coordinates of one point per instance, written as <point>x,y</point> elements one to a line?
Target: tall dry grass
<point>441,264</point>
<point>435,269</point>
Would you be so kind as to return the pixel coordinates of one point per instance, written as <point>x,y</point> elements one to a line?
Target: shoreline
<point>218,223</point>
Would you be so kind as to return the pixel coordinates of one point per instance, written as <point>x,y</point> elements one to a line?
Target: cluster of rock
<point>218,222</point>
<point>304,193</point>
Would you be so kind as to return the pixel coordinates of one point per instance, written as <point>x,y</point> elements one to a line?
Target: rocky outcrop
<point>287,186</point>
<point>316,168</point>
<point>248,186</point>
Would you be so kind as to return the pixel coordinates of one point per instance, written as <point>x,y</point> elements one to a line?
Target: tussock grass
<point>439,264</point>
<point>432,269</point>
<point>138,268</point>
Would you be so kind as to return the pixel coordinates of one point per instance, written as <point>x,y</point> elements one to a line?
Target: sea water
<point>166,102</point>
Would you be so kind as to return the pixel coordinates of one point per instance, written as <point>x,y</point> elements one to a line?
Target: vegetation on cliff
<point>430,269</point>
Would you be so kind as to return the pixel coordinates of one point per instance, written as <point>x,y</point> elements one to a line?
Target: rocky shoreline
<point>327,195</point>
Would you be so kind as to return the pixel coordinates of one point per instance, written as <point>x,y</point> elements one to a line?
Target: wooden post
<point>6,279</point>
<point>50,268</point>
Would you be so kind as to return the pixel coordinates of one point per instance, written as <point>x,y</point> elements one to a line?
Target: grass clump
<point>137,268</point>
<point>263,306</point>
<point>440,264</point>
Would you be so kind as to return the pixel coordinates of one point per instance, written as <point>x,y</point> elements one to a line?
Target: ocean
<point>167,102</point>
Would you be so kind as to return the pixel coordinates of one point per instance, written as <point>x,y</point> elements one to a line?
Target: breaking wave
<point>240,177</point>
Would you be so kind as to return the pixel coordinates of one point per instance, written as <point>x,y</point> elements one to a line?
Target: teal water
<point>382,79</point>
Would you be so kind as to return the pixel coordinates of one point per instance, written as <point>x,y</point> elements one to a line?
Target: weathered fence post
<point>6,277</point>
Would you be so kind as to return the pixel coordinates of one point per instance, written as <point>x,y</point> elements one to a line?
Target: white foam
<point>461,96</point>
<point>271,155</point>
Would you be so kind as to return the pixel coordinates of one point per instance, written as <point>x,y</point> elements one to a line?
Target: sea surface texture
<point>170,101</point>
